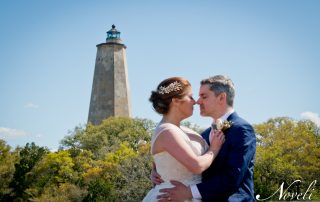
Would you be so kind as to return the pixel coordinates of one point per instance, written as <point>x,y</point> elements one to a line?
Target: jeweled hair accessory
<point>175,86</point>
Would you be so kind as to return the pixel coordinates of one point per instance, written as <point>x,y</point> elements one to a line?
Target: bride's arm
<point>175,145</point>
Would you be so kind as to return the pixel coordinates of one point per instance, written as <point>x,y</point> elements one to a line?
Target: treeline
<point>112,162</point>
<point>287,160</point>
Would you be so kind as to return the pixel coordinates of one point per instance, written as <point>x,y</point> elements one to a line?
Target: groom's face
<point>208,101</point>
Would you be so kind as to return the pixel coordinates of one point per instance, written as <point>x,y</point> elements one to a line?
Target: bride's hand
<point>155,177</point>
<point>217,140</point>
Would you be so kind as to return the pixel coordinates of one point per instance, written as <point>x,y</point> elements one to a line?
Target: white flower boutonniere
<point>223,125</point>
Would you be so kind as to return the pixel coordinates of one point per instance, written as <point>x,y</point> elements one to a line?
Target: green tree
<point>63,192</point>
<point>7,160</point>
<point>134,178</point>
<point>53,169</point>
<point>100,190</point>
<point>107,136</point>
<point>287,150</point>
<point>28,157</point>
<point>113,156</point>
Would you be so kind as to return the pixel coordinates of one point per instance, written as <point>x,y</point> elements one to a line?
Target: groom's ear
<point>222,97</point>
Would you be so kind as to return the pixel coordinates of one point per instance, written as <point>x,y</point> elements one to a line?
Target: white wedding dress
<point>171,169</point>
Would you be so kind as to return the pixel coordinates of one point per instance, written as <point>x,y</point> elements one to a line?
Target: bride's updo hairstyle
<point>174,87</point>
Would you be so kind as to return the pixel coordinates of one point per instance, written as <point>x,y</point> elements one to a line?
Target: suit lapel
<point>232,118</point>
<point>205,135</point>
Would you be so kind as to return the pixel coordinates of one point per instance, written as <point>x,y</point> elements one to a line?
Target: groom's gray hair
<point>219,84</point>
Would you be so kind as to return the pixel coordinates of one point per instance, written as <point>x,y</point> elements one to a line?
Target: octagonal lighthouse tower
<point>110,95</point>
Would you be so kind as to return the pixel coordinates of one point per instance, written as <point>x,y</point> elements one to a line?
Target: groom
<point>230,176</point>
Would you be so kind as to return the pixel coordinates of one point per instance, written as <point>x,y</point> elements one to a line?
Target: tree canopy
<point>287,150</point>
<point>112,162</point>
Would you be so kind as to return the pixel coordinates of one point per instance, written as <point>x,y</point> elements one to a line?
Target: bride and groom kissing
<point>214,166</point>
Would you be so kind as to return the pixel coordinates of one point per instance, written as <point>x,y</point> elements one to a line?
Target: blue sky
<point>270,49</point>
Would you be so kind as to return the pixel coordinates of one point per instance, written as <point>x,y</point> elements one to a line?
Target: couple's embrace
<point>214,166</point>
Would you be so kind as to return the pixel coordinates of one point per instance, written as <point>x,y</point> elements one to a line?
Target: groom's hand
<point>178,193</point>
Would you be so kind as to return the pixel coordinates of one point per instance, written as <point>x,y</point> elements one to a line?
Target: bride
<point>179,153</point>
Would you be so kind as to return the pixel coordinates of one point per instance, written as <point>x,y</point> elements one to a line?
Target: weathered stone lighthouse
<point>110,95</point>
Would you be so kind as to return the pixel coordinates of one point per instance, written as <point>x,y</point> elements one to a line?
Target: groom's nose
<point>198,101</point>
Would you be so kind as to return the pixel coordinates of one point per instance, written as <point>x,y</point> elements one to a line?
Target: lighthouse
<point>110,95</point>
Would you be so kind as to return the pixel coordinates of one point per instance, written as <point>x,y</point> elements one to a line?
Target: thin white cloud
<point>314,117</point>
<point>11,133</point>
<point>38,135</point>
<point>31,105</point>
